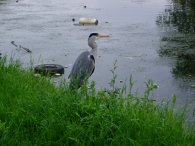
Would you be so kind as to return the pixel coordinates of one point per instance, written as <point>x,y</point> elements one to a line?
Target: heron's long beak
<point>104,35</point>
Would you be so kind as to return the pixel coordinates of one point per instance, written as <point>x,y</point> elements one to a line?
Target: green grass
<point>35,112</point>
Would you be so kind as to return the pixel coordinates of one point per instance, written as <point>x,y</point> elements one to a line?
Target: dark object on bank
<point>49,69</point>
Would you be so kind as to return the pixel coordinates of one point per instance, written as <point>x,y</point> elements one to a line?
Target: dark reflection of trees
<point>1,1</point>
<point>183,15</point>
<point>178,22</point>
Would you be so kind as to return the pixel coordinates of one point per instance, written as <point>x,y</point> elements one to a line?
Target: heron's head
<point>93,37</point>
<point>91,40</point>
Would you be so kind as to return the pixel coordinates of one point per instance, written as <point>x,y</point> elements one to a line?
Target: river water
<point>142,32</point>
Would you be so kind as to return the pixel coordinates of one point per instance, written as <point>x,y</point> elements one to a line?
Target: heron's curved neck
<point>94,52</point>
<point>93,45</point>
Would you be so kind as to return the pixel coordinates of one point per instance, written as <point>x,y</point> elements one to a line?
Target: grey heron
<point>84,65</point>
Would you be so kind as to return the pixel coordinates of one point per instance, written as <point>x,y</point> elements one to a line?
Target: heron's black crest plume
<point>93,34</point>
<point>92,57</point>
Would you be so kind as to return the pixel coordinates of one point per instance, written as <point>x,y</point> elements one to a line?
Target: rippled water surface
<point>141,32</point>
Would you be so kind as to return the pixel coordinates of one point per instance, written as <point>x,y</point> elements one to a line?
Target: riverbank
<point>35,112</point>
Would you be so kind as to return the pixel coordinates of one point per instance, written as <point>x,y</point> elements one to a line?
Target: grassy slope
<point>34,112</point>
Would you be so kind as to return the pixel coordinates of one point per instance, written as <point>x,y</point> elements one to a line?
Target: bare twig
<point>13,43</point>
<point>21,47</point>
<point>26,49</point>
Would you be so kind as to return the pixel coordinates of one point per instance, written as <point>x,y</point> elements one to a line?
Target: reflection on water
<point>180,16</point>
<point>178,43</point>
<point>178,21</point>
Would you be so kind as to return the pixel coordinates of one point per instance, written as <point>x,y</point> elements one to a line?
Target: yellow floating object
<point>88,21</point>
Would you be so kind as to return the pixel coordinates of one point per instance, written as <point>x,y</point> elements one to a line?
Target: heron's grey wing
<point>92,64</point>
<point>83,67</point>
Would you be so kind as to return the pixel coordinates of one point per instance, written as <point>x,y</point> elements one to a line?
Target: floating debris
<point>13,43</point>
<point>26,49</point>
<point>21,47</point>
<point>84,6</point>
<point>88,21</point>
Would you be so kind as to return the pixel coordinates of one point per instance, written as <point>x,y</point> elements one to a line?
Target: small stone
<point>57,74</point>
<point>193,86</point>
<point>37,75</point>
